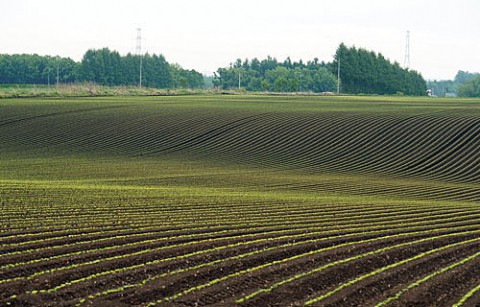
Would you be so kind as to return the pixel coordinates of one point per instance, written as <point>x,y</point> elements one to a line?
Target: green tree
<point>271,75</point>
<point>470,88</point>
<point>35,69</point>
<point>363,71</point>
<point>281,84</point>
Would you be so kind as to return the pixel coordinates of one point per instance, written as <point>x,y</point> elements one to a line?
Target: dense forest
<point>101,66</point>
<point>35,69</point>
<point>366,72</point>
<point>361,72</point>
<point>272,75</point>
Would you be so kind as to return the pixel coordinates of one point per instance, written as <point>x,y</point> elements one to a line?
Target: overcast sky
<point>205,35</point>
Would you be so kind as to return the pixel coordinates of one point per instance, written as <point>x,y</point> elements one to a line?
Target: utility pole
<point>58,75</point>
<point>239,80</point>
<point>139,53</point>
<point>338,76</point>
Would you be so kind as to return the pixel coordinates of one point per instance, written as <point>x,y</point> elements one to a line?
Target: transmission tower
<point>139,53</point>
<point>406,63</point>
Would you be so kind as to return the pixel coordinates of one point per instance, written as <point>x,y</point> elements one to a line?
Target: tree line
<point>465,84</point>
<point>101,66</point>
<point>271,75</point>
<point>366,72</point>
<point>35,69</point>
<point>361,72</point>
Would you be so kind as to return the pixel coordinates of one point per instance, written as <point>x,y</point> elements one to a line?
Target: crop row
<point>258,214</point>
<point>251,201</point>
<point>147,255</point>
<point>438,145</point>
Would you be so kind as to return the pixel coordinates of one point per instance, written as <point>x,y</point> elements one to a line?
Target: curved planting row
<point>441,144</point>
<point>250,201</point>
<point>200,263</point>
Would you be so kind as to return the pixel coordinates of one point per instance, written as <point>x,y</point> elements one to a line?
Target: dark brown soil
<point>366,292</point>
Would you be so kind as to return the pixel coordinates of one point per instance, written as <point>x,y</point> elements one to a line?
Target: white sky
<point>208,34</point>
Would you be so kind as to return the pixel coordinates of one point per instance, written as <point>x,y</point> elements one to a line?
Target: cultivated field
<point>240,200</point>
